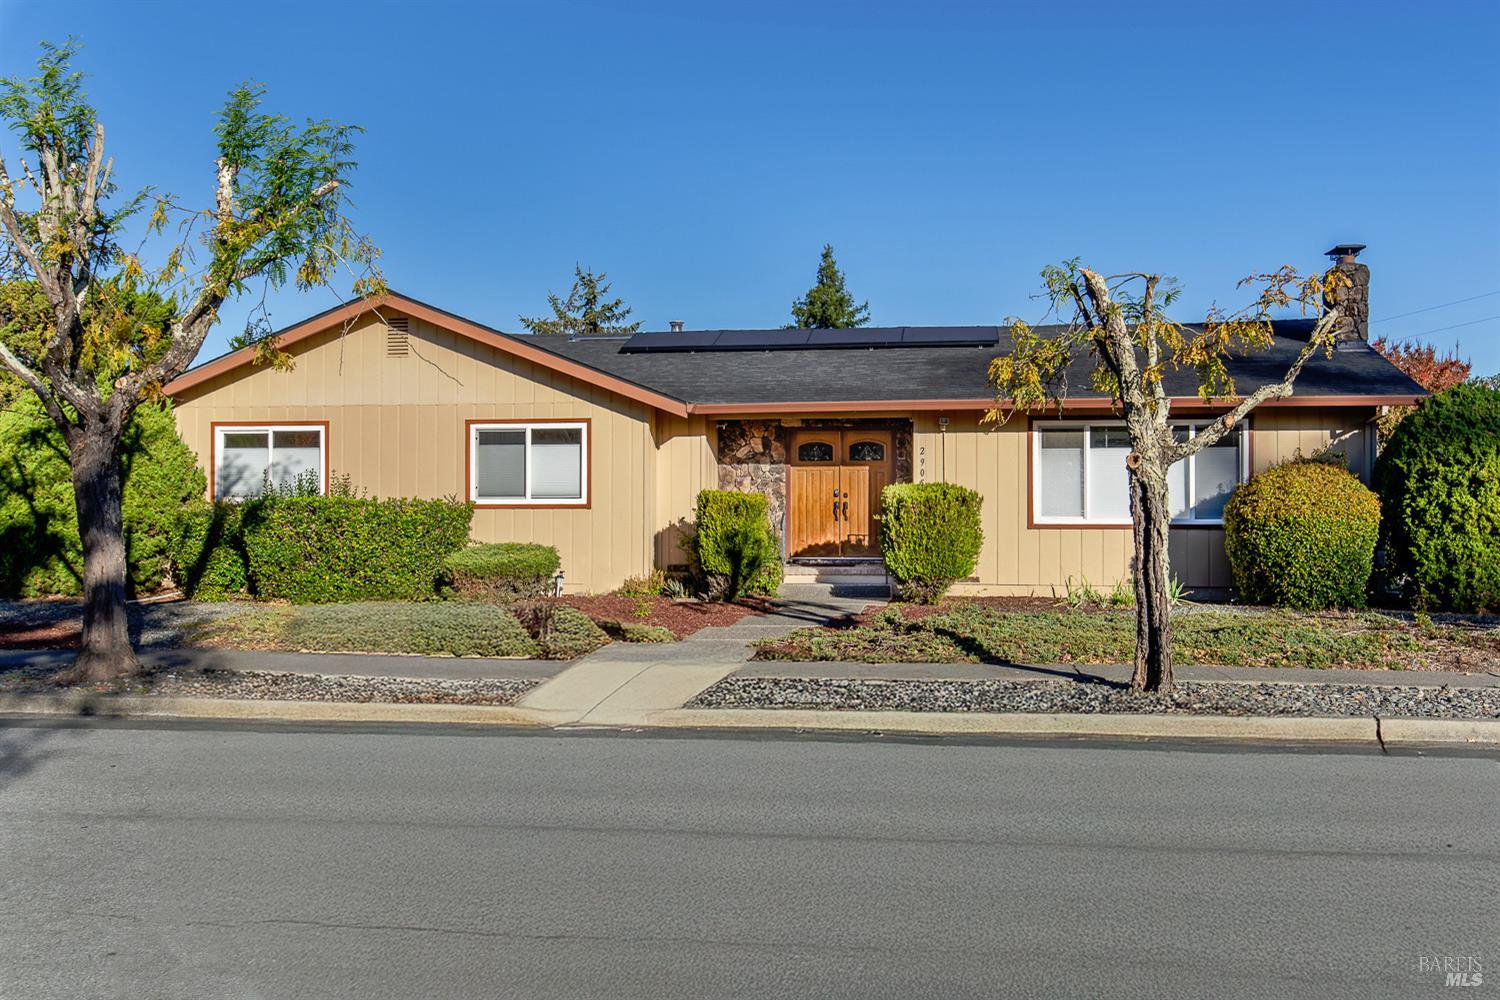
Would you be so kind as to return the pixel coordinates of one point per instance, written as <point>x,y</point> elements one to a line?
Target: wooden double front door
<point>834,493</point>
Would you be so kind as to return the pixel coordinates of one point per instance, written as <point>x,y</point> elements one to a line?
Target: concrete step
<point>865,573</point>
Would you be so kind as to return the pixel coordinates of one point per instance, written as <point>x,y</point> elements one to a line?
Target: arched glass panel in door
<point>867,451</point>
<point>815,451</point>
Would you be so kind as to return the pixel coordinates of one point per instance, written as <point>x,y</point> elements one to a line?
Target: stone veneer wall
<point>752,459</point>
<point>752,456</point>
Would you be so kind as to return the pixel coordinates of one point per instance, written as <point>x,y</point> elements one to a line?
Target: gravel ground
<point>1092,697</point>
<point>151,625</point>
<point>258,685</point>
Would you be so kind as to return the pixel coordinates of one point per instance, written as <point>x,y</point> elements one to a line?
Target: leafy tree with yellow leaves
<point>1121,322</point>
<point>93,331</point>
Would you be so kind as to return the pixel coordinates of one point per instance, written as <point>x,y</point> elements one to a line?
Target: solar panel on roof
<point>950,336</point>
<point>887,336</point>
<point>760,340</point>
<point>694,340</point>
<point>769,340</point>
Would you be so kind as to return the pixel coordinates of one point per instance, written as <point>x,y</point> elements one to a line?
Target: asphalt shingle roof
<point>834,374</point>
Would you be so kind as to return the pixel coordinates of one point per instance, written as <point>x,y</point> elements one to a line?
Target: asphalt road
<point>235,862</point>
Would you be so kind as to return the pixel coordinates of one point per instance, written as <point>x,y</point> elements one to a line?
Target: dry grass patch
<point>975,632</point>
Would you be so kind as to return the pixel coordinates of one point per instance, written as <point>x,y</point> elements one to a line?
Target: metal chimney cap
<point>1345,250</point>
<point>675,324</point>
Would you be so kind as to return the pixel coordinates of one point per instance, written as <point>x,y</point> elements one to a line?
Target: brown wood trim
<point>588,462</point>
<point>1184,404</point>
<point>213,445</point>
<point>447,321</point>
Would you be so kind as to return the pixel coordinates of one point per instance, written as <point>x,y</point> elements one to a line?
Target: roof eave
<point>439,318</point>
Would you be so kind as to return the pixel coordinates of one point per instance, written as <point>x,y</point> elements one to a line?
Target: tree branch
<point>37,385</point>
<point>1212,432</point>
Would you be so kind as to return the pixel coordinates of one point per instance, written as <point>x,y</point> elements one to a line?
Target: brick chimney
<point>1352,297</point>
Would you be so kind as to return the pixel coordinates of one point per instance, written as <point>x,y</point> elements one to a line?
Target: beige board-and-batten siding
<point>1021,559</point>
<point>396,427</point>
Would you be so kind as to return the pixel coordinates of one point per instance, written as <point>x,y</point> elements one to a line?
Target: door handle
<point>846,510</point>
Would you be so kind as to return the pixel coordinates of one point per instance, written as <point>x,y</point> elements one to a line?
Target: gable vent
<point>395,337</point>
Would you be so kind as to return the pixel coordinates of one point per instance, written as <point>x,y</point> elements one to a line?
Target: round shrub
<point>930,535</point>
<point>502,571</point>
<point>1302,535</point>
<point>40,552</point>
<point>1439,481</point>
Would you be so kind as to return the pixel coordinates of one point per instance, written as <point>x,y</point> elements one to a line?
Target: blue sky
<point>701,154</point>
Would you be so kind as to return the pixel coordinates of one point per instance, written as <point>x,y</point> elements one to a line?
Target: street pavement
<point>234,861</point>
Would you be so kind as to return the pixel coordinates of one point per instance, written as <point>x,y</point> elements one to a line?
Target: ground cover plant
<point>973,631</point>
<point>430,628</point>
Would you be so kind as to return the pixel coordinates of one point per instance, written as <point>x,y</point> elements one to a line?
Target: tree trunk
<point>105,652</point>
<point>1153,609</point>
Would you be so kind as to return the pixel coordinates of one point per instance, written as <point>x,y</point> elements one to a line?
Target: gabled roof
<point>824,373</point>
<point>521,347</point>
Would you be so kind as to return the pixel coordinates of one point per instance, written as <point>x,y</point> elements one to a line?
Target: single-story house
<point>599,446</point>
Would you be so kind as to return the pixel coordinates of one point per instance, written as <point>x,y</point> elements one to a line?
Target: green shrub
<point>1439,480</point>
<point>930,535</point>
<point>40,551</point>
<point>636,631</point>
<point>1302,535</point>
<point>736,548</point>
<point>323,550</point>
<point>502,571</point>
<point>561,631</point>
<point>208,560</point>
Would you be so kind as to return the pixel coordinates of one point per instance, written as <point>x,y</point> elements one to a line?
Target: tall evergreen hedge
<point>1439,479</point>
<point>321,549</point>
<point>930,535</point>
<point>41,554</point>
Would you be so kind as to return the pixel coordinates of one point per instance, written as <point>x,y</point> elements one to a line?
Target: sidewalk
<point>648,685</point>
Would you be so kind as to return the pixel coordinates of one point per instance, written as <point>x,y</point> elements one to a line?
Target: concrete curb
<point>1327,730</point>
<point>1388,732</point>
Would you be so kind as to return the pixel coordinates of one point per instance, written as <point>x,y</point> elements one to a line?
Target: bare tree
<point>277,218</point>
<point>1120,320</point>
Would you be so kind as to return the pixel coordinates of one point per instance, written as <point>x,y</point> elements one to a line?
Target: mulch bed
<point>62,635</point>
<point>681,618</point>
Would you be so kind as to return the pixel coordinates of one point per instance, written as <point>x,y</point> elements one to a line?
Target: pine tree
<point>828,304</point>
<point>586,313</point>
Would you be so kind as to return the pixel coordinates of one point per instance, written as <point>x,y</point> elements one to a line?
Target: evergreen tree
<point>828,304</point>
<point>586,313</point>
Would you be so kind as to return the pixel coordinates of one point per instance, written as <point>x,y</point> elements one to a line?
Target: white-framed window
<point>247,457</point>
<point>542,463</point>
<point>1079,474</point>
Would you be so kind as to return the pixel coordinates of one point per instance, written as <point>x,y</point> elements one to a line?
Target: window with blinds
<point>529,463</point>
<point>1079,475</point>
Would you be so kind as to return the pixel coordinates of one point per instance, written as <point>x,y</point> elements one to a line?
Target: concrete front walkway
<point>623,682</point>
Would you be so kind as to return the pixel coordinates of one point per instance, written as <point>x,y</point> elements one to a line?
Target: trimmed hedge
<point>502,571</point>
<point>736,548</point>
<point>930,536</point>
<point>41,554</point>
<point>1439,479</point>
<point>1302,535</point>
<point>320,550</point>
